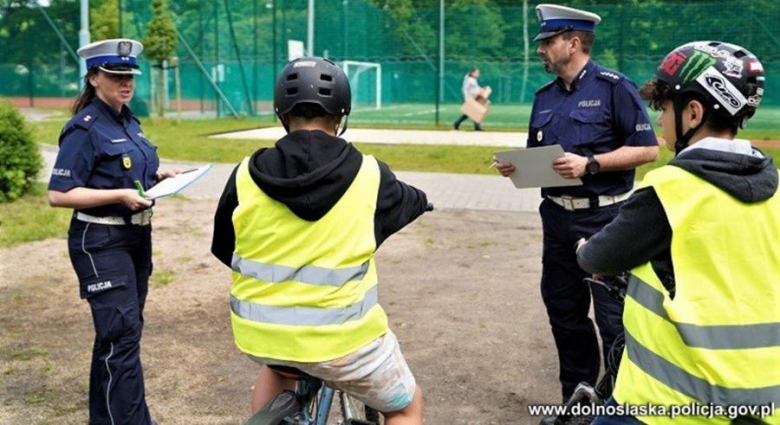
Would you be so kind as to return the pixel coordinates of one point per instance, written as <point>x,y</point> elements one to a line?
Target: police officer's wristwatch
<point>593,166</point>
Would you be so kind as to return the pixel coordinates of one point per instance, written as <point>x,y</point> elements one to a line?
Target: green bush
<point>20,160</point>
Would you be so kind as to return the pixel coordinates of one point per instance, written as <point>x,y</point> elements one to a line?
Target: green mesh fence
<point>229,51</point>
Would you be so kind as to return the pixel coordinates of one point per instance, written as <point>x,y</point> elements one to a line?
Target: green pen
<point>141,192</point>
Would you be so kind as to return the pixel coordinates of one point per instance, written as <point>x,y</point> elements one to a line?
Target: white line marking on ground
<point>430,111</point>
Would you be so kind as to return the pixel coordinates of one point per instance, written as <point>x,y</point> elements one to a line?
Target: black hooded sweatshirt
<point>641,231</point>
<point>309,172</point>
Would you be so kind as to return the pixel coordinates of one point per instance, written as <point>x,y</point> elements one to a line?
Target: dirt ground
<point>460,288</point>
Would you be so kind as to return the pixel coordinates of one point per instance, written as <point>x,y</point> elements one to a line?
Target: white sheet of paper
<point>174,185</point>
<point>534,167</point>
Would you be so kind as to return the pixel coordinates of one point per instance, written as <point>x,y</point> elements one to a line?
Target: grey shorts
<point>376,374</point>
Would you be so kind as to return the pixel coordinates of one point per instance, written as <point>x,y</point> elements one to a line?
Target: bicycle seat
<point>289,372</point>
<point>284,405</point>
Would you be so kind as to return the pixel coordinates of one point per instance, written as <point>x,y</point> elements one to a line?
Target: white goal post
<point>353,69</point>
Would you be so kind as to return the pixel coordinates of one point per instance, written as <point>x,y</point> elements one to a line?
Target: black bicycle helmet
<point>313,80</point>
<point>728,78</point>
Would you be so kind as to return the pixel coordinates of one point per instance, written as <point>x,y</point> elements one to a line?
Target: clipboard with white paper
<point>533,167</point>
<point>177,183</point>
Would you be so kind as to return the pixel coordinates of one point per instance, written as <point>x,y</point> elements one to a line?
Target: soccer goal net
<point>365,79</point>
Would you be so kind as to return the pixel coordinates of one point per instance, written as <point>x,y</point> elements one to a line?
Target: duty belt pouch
<point>146,217</point>
<point>143,218</point>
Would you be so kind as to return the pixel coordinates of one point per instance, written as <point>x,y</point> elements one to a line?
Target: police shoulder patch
<point>85,118</point>
<point>613,77</point>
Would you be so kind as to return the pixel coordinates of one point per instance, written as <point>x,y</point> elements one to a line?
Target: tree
<point>21,160</point>
<point>104,21</point>
<point>415,23</point>
<point>160,45</point>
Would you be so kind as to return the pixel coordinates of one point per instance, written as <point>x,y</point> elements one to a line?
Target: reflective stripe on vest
<point>712,337</point>
<point>306,290</point>
<point>312,275</point>
<point>678,379</point>
<point>718,340</point>
<point>303,316</point>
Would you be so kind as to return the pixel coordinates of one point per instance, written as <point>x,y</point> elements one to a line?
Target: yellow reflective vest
<point>305,291</point>
<point>718,340</point>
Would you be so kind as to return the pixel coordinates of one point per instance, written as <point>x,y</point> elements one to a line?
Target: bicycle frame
<point>323,406</point>
<point>310,404</point>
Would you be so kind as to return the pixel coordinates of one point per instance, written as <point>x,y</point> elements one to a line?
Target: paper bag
<point>474,110</point>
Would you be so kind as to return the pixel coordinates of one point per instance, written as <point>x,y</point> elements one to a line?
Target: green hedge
<point>20,160</point>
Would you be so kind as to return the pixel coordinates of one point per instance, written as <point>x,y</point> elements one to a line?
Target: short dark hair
<point>308,111</point>
<point>586,39</point>
<point>659,92</point>
<point>656,92</point>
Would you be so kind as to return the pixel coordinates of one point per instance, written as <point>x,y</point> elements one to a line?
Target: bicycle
<point>310,403</point>
<point>616,286</point>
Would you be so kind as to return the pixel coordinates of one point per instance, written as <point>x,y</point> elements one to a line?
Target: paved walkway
<point>37,115</point>
<point>416,137</point>
<point>446,191</point>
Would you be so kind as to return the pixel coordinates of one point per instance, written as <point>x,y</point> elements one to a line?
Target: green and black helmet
<point>726,77</point>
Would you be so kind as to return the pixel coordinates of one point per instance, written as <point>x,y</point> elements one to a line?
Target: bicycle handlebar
<point>616,286</point>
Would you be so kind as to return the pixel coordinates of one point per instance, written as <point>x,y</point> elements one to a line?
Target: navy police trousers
<point>113,264</point>
<point>567,297</point>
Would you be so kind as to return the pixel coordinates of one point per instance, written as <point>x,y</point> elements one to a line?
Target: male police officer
<point>597,117</point>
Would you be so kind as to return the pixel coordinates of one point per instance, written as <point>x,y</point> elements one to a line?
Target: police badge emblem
<point>126,162</point>
<point>539,136</point>
<point>124,48</point>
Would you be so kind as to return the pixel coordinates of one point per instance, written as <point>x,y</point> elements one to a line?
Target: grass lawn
<point>30,218</point>
<point>189,141</point>
<point>764,126</point>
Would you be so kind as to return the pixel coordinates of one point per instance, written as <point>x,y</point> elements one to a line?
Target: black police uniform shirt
<point>101,148</point>
<point>600,113</point>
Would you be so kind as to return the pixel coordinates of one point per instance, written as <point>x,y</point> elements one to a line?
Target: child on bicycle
<point>299,224</point>
<point>700,235</point>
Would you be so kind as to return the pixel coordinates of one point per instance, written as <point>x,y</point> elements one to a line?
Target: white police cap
<point>115,56</point>
<point>556,19</point>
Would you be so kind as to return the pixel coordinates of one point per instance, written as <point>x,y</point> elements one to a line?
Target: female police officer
<point>104,157</point>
